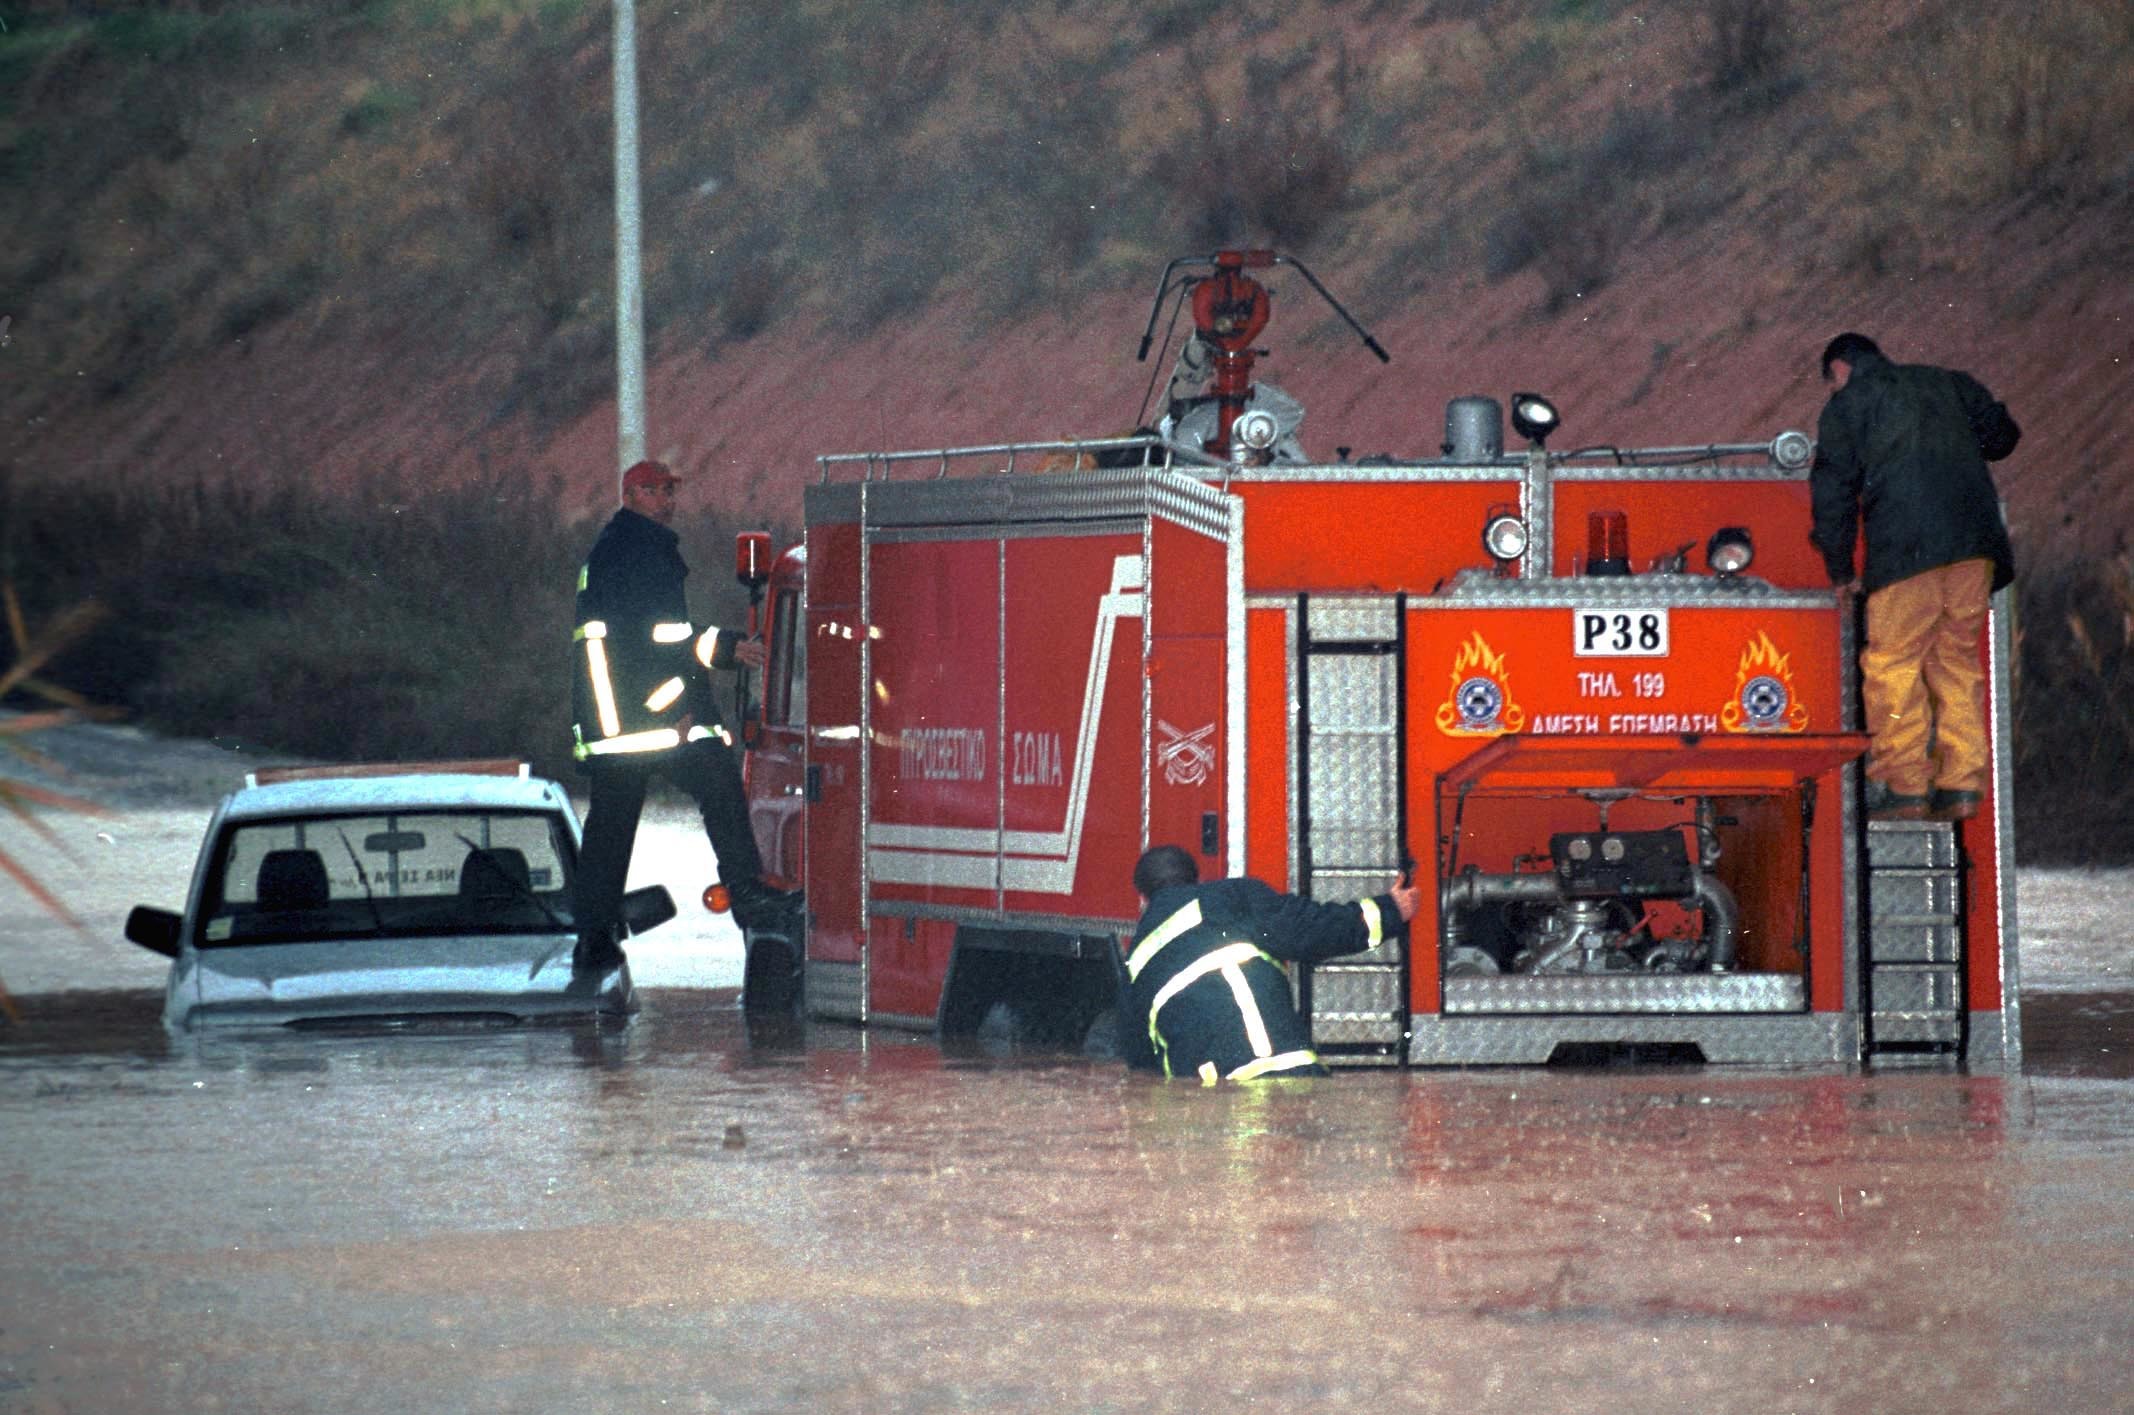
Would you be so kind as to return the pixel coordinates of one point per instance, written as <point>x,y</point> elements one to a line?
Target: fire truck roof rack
<point>1647,456</point>
<point>1788,452</point>
<point>1058,455</point>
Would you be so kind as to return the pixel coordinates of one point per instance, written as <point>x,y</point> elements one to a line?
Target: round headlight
<point>1504,537</point>
<point>1257,429</point>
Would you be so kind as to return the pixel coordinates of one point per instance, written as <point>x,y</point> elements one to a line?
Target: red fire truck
<point>1600,701</point>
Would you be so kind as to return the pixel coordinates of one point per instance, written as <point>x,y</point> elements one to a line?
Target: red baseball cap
<point>648,473</point>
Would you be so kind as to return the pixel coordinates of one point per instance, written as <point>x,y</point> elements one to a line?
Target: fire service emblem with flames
<point>1764,700</point>
<point>1481,703</point>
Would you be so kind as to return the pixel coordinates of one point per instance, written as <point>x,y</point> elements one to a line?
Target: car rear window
<point>411,872</point>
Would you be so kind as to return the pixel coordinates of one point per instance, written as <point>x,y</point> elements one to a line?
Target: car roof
<point>392,787</point>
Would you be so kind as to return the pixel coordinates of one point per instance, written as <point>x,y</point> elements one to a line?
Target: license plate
<point>1619,633</point>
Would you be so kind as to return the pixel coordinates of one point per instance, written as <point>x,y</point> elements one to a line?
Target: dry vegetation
<point>181,174</point>
<point>408,622</point>
<point>178,176</point>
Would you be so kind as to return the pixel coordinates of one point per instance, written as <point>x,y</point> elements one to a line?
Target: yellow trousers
<point>1922,684</point>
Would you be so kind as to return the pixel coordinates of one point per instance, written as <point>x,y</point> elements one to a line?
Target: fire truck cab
<point>1601,702</point>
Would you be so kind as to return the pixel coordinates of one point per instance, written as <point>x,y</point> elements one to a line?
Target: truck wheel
<point>1101,1041</point>
<point>771,980</point>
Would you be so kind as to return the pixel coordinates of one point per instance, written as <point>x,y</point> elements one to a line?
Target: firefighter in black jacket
<point>1206,996</point>
<point>1901,453</point>
<point>642,706</point>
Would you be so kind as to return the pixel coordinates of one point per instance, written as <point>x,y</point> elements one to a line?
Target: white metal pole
<point>629,292</point>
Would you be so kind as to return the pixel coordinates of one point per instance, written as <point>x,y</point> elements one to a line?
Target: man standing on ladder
<point>1901,453</point>
<point>1205,995</point>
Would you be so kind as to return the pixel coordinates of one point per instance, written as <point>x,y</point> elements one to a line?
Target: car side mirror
<point>647,908</point>
<point>154,929</point>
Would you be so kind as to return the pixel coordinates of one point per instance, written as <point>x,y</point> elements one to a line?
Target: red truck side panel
<point>1982,880</point>
<point>1663,517</point>
<point>1365,536</point>
<point>1267,746</point>
<point>1073,785</point>
<point>935,753</point>
<point>835,637</point>
<point>1188,746</point>
<point>907,963</point>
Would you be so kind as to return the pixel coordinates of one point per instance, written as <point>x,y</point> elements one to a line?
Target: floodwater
<point>687,1212</point>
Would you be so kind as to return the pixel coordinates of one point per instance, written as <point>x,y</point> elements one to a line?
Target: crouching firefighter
<point>1206,995</point>
<point>642,707</point>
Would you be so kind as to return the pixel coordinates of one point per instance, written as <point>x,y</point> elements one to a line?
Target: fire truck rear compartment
<point>1637,896</point>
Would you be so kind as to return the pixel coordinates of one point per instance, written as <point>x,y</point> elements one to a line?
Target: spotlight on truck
<point>1729,551</point>
<point>1534,417</point>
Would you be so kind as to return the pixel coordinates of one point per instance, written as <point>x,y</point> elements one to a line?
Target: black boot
<point>757,905</point>
<point>1883,804</point>
<point>597,953</point>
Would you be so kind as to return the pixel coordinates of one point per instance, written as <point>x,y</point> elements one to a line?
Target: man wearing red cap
<point>642,706</point>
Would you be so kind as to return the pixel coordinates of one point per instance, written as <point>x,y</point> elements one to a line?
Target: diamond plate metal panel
<point>1353,693</point>
<point>1914,1027</point>
<point>1637,993</point>
<point>1127,492</point>
<point>1805,1040</point>
<point>1330,619</point>
<point>1343,886</point>
<point>837,502</point>
<point>1189,503</point>
<point>1354,763</point>
<point>1910,941</point>
<point>1339,991</point>
<point>834,990</point>
<point>1355,1031</point>
<point>1913,894</point>
<point>1479,587</point>
<point>1911,845</point>
<point>1924,988</point>
<point>1352,474</point>
<point>1988,1042</point>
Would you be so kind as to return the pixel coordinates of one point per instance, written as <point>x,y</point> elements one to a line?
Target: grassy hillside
<point>185,175</point>
<point>339,271</point>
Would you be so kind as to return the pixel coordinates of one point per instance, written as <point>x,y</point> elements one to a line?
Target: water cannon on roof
<point>1230,311</point>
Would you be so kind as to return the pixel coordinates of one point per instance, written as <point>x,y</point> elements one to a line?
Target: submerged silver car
<point>353,894</point>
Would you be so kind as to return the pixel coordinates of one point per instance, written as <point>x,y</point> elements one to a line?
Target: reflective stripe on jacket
<point>1207,994</point>
<point>638,663</point>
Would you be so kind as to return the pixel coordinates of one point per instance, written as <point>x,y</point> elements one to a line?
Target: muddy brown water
<point>691,1213</point>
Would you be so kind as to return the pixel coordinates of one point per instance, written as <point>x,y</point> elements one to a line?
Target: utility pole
<point>629,291</point>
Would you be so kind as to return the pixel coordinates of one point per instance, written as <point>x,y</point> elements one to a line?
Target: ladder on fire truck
<point>1914,1004</point>
<point>1351,794</point>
